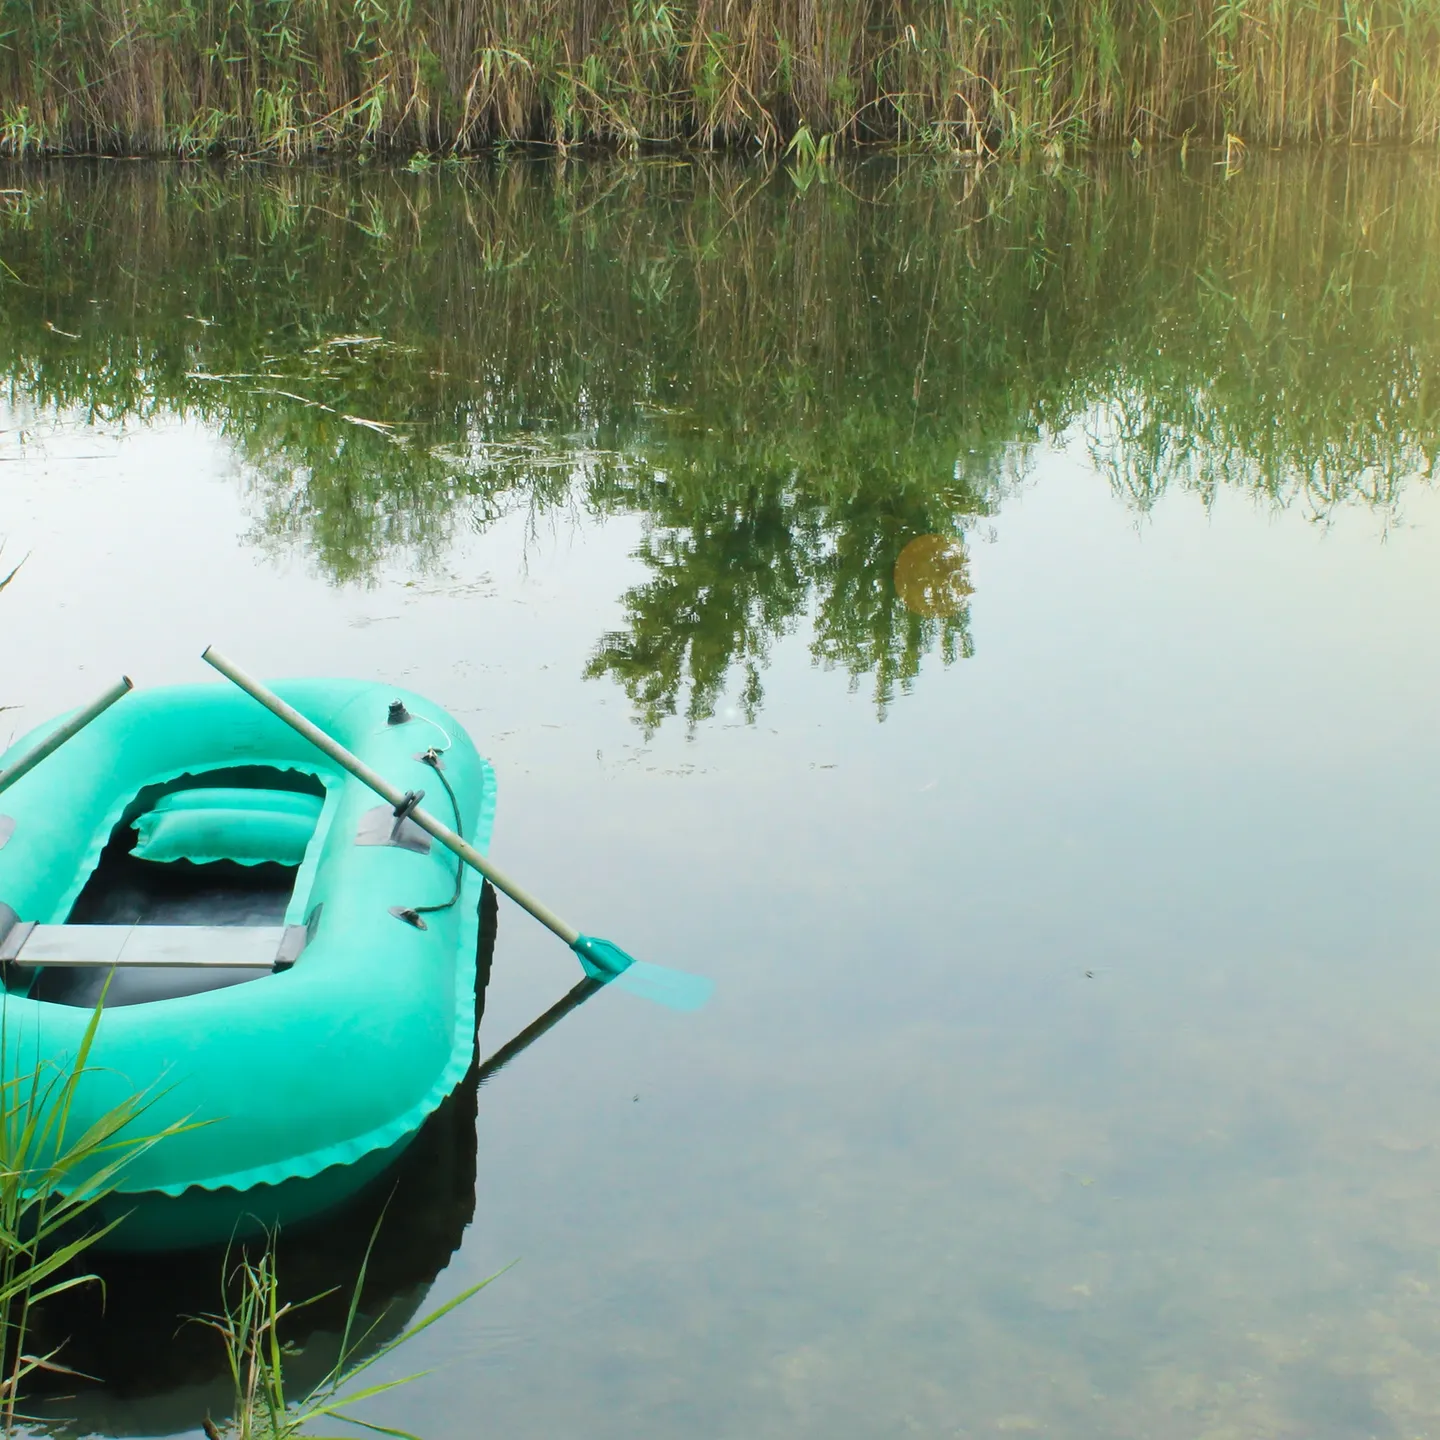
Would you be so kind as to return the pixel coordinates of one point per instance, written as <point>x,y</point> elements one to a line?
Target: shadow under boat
<point>145,1367</point>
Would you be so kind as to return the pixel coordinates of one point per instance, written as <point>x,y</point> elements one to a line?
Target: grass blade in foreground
<point>602,960</point>
<point>250,1330</point>
<point>50,1180</point>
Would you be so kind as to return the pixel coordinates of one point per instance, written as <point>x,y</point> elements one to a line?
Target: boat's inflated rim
<point>341,1057</point>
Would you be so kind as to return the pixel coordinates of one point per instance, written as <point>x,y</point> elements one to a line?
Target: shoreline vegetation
<point>295,78</point>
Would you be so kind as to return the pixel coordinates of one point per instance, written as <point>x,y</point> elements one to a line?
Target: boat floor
<point>126,891</point>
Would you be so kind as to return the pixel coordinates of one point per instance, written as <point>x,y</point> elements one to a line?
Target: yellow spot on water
<point>931,577</point>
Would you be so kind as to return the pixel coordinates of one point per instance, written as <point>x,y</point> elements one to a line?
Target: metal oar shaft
<point>72,727</point>
<point>390,793</point>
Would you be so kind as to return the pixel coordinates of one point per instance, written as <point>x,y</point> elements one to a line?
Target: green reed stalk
<point>295,77</point>
<point>249,1325</point>
<point>51,1180</point>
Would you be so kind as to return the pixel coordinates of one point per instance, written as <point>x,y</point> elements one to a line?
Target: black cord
<point>432,759</point>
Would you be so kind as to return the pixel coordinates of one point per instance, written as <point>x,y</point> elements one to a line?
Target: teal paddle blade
<point>605,961</point>
<point>673,988</point>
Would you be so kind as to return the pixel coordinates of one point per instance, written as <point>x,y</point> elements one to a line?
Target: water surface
<point>1068,889</point>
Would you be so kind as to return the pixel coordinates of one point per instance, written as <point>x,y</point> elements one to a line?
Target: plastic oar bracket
<point>601,959</point>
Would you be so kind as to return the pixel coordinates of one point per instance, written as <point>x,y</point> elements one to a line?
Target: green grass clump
<point>249,1325</point>
<point>295,77</point>
<point>51,1180</point>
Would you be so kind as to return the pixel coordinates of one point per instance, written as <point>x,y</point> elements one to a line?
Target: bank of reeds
<point>291,77</point>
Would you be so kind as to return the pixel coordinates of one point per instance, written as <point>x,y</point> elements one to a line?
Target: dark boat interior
<point>126,890</point>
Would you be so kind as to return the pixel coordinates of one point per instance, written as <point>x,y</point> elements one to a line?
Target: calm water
<point>1069,889</point>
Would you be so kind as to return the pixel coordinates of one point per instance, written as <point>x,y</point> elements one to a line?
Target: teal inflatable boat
<point>286,963</point>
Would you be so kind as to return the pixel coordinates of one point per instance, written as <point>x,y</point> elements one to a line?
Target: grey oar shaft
<point>388,792</point>
<point>72,727</point>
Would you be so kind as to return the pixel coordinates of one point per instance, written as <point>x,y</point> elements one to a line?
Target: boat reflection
<point>158,1372</point>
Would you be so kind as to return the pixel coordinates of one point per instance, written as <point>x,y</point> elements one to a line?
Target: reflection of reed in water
<point>158,1374</point>
<point>786,389</point>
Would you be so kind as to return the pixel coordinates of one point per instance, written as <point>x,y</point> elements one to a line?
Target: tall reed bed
<point>293,77</point>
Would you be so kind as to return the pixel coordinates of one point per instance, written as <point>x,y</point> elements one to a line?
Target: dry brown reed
<point>292,77</point>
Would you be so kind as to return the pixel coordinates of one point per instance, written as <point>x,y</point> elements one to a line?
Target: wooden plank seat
<point>233,947</point>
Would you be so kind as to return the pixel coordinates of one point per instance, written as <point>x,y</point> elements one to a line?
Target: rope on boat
<point>432,758</point>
